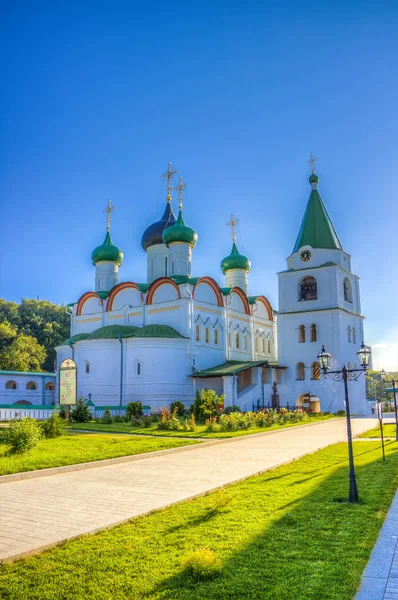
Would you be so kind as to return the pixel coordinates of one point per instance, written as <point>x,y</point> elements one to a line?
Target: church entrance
<point>309,403</point>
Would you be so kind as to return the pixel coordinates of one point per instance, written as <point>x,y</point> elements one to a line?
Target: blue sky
<point>98,97</point>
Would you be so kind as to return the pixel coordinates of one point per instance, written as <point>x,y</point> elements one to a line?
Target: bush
<point>197,407</point>
<point>134,409</point>
<point>146,421</point>
<point>81,413</point>
<point>62,412</point>
<point>179,407</point>
<point>23,435</point>
<point>135,422</point>
<point>212,425</point>
<point>340,413</point>
<point>203,564</point>
<point>169,420</point>
<point>190,424</point>
<point>210,401</point>
<point>230,409</point>
<point>54,426</point>
<point>107,418</point>
<point>119,419</point>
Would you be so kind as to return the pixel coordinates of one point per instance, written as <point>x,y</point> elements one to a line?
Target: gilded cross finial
<point>180,188</point>
<point>232,223</point>
<point>312,162</point>
<point>108,211</point>
<point>169,174</point>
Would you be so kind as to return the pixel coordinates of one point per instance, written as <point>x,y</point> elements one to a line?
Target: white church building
<point>160,340</point>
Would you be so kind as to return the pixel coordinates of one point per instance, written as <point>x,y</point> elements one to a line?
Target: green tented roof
<point>110,332</point>
<point>229,368</point>
<point>317,228</point>
<point>46,374</point>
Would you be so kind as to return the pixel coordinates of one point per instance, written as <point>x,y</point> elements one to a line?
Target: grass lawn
<point>200,432</point>
<point>287,534</point>
<point>72,449</point>
<point>388,431</point>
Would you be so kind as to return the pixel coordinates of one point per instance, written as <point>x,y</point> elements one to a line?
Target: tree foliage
<point>32,328</point>
<point>375,386</point>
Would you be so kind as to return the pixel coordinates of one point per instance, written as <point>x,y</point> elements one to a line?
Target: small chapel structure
<point>161,340</point>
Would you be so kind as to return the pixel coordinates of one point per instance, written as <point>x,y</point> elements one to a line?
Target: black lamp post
<point>345,374</point>
<point>394,389</point>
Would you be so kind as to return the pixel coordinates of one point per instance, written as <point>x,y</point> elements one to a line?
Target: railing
<point>13,412</point>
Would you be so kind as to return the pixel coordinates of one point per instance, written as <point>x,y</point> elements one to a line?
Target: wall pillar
<point>229,391</point>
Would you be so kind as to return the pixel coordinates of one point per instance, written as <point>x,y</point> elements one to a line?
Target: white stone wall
<point>157,262</point>
<point>39,396</point>
<point>106,276</point>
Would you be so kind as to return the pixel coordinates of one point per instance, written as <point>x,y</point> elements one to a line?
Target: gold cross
<point>108,210</point>
<point>232,223</point>
<point>312,162</point>
<point>169,174</point>
<point>180,187</point>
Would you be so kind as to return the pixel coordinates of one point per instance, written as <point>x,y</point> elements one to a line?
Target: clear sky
<point>98,96</point>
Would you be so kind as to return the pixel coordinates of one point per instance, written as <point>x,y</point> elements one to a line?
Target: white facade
<point>26,389</point>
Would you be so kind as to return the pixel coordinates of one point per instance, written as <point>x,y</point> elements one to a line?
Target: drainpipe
<point>121,371</point>
<point>42,391</point>
<point>73,351</point>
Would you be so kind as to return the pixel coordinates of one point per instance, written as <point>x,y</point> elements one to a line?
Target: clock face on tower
<point>305,255</point>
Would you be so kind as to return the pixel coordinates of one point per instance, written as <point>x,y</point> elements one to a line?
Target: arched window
<point>257,344</point>
<point>245,342</point>
<point>308,289</point>
<point>313,332</point>
<point>316,370</point>
<point>354,335</point>
<point>11,385</point>
<point>263,346</point>
<point>31,385</point>
<point>302,334</point>
<point>230,339</point>
<point>216,336</point>
<point>50,386</point>
<point>207,335</point>
<point>347,290</point>
<point>349,333</point>
<point>269,346</point>
<point>300,371</point>
<point>87,367</point>
<point>237,341</point>
<point>197,333</point>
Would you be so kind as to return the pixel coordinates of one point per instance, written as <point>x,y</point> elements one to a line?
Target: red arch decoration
<point>118,288</point>
<point>243,297</point>
<point>157,284</point>
<point>83,300</point>
<point>267,305</point>
<point>214,286</point>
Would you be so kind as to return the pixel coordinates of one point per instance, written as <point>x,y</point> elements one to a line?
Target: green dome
<point>180,233</point>
<point>235,261</point>
<point>107,252</point>
<point>313,178</point>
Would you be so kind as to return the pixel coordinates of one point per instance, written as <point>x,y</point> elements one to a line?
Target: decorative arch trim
<point>214,286</point>
<point>83,300</point>
<point>267,305</point>
<point>243,297</point>
<point>157,284</point>
<point>119,288</point>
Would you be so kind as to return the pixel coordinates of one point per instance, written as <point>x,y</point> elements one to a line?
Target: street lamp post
<point>345,374</point>
<point>394,389</point>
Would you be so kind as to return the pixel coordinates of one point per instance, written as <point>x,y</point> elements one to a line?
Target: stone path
<point>380,578</point>
<point>39,513</point>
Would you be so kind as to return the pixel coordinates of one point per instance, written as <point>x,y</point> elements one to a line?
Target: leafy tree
<point>8,333</point>
<point>210,401</point>
<point>23,354</point>
<point>375,386</point>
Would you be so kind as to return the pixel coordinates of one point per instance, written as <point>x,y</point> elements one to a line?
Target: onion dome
<point>235,260</point>
<point>313,178</point>
<point>153,234</point>
<point>107,252</point>
<point>180,233</point>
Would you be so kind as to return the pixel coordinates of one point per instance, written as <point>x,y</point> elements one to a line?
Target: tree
<point>23,354</point>
<point>210,401</point>
<point>375,386</point>
<point>8,333</point>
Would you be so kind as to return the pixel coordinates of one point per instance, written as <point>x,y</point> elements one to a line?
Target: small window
<point>87,369</point>
<point>308,289</point>
<point>269,346</point>
<point>301,334</point>
<point>349,333</point>
<point>50,386</point>
<point>197,333</point>
<point>245,343</point>
<point>165,267</point>
<point>230,339</point>
<point>263,346</point>
<point>354,335</point>
<point>11,385</point>
<point>237,341</point>
<point>207,335</point>
<point>316,370</point>
<point>138,368</point>
<point>313,332</point>
<point>216,336</point>
<point>257,346</point>
<point>300,371</point>
<point>347,290</point>
<point>31,385</point>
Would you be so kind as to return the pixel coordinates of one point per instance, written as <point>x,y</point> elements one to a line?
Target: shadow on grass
<point>315,551</point>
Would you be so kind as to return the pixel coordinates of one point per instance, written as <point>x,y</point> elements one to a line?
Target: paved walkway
<point>38,513</point>
<point>380,578</point>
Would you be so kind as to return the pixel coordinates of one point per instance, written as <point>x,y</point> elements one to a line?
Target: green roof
<point>317,228</point>
<point>107,252</point>
<point>143,287</point>
<point>179,232</point>
<point>229,368</point>
<point>45,374</point>
<point>226,291</point>
<point>75,338</point>
<point>157,331</point>
<point>178,279</point>
<point>327,264</point>
<point>30,406</point>
<point>110,332</point>
<point>235,260</point>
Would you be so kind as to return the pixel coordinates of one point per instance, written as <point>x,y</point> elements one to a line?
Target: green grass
<point>78,448</point>
<point>287,534</point>
<point>200,432</point>
<point>388,431</point>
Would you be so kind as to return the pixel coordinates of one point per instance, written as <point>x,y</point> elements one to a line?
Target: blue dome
<point>153,234</point>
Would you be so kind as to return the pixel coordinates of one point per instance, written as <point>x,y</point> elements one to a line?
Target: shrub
<point>212,425</point>
<point>81,413</point>
<point>62,412</point>
<point>197,407</point>
<point>340,413</point>
<point>119,419</point>
<point>134,409</point>
<point>107,418</point>
<point>203,564</point>
<point>146,421</point>
<point>54,426</point>
<point>135,422</point>
<point>210,401</point>
<point>179,407</point>
<point>23,435</point>
<point>230,409</point>
<point>169,420</point>
<point>190,424</point>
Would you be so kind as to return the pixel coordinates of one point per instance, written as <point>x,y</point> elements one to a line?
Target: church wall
<point>172,313</point>
<point>205,294</point>
<point>91,306</point>
<point>127,297</point>
<point>87,323</point>
<point>320,256</point>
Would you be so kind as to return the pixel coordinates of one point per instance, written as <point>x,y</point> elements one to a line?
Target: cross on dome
<point>108,211</point>
<point>180,188</point>
<point>232,223</point>
<point>312,162</point>
<point>168,175</point>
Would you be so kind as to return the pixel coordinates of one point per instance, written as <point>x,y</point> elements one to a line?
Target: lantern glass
<point>363,355</point>
<point>324,358</point>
